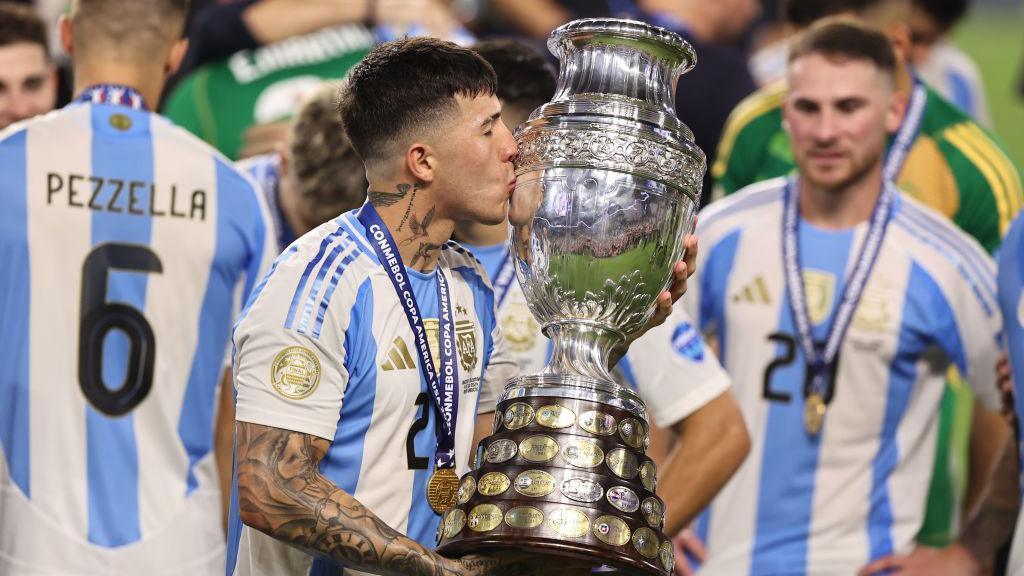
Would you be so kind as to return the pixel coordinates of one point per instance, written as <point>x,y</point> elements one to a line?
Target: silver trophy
<point>608,183</point>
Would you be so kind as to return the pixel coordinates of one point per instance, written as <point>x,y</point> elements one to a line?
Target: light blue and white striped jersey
<point>828,504</point>
<point>1011,302</point>
<point>265,171</point>
<point>324,348</point>
<point>126,246</point>
<point>669,367</point>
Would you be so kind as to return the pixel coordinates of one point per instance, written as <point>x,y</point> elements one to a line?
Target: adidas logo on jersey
<point>398,357</point>
<point>755,292</point>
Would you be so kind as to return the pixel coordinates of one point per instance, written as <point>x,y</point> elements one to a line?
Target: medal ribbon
<point>821,362</point>
<point>444,387</point>
<point>502,281</point>
<point>116,94</point>
<point>907,132</point>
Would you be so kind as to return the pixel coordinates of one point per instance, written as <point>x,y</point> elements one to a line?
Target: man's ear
<point>175,56</point>
<point>421,162</point>
<point>895,111</point>
<point>64,24</point>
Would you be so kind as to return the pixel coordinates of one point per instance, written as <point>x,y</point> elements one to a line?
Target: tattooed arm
<point>282,493</point>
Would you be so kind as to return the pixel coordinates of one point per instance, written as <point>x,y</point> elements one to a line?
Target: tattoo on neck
<point>419,228</point>
<point>424,252</point>
<point>378,199</point>
<point>408,209</point>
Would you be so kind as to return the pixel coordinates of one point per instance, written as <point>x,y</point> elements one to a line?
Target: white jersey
<point>669,367</point>
<point>126,246</point>
<point>954,75</point>
<point>328,302</point>
<point>828,504</point>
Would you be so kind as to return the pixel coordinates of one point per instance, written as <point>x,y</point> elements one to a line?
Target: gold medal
<point>555,416</point>
<point>632,432</point>
<point>611,530</point>
<point>484,518</point>
<point>442,489</point>
<point>466,489</point>
<point>649,476</point>
<point>538,448</point>
<point>493,483</point>
<point>569,522</point>
<point>814,413</point>
<point>668,555</point>
<point>518,416</point>
<point>454,522</point>
<point>646,542</point>
<point>582,452</point>
<point>653,512</point>
<point>524,517</point>
<point>535,483</point>
<point>597,422</point>
<point>623,463</point>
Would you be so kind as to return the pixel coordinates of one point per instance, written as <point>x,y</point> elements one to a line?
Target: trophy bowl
<point>608,181</point>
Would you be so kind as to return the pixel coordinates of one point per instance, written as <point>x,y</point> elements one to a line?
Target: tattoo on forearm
<point>424,252</point>
<point>282,493</point>
<point>379,199</point>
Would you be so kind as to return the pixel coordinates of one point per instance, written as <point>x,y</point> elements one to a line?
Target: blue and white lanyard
<point>907,133</point>
<point>444,387</point>
<point>502,281</point>
<point>820,363</point>
<point>113,94</point>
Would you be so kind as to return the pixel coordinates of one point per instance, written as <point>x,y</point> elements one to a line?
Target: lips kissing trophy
<point>608,182</point>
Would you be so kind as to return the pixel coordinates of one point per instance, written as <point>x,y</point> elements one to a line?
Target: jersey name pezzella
<point>137,197</point>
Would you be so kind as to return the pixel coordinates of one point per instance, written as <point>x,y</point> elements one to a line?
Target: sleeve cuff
<point>668,414</point>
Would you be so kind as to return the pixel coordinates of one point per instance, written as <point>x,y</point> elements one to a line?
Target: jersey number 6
<point>99,317</point>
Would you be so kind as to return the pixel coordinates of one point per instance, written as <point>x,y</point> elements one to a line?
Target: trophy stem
<point>581,348</point>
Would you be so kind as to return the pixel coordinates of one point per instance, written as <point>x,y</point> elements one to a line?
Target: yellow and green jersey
<point>220,100</point>
<point>954,165</point>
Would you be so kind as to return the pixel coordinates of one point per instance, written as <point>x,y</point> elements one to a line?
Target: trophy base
<point>564,474</point>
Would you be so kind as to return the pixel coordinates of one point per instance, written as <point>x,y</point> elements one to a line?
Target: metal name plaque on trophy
<point>608,184</point>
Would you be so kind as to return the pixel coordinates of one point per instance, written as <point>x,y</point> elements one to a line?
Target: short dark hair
<point>329,176</point>
<point>844,39</point>
<point>129,30</point>
<point>945,12</point>
<point>19,23</point>
<point>525,79</point>
<point>408,84</point>
<point>803,13</point>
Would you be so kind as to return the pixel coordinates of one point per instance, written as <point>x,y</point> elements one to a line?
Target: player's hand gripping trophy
<point>608,181</point>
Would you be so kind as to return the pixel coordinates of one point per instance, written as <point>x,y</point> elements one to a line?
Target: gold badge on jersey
<point>295,372</point>
<point>519,327</point>
<point>465,341</point>
<point>820,287</point>
<point>120,122</point>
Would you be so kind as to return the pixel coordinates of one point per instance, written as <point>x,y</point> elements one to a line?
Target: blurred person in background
<point>258,59</point>
<point>315,175</point>
<point>28,78</point>
<point>838,358</point>
<point>680,380</point>
<point>939,62</point>
<point>127,246</point>
<point>939,156</point>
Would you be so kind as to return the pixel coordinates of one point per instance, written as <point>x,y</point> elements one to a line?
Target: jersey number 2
<point>99,317</point>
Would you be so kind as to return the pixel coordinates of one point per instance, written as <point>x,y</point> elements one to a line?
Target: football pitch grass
<point>995,39</point>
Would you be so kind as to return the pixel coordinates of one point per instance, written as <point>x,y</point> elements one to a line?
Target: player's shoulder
<point>15,133</point>
<point>945,252</point>
<point>746,206</point>
<point>458,258</point>
<point>229,176</point>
